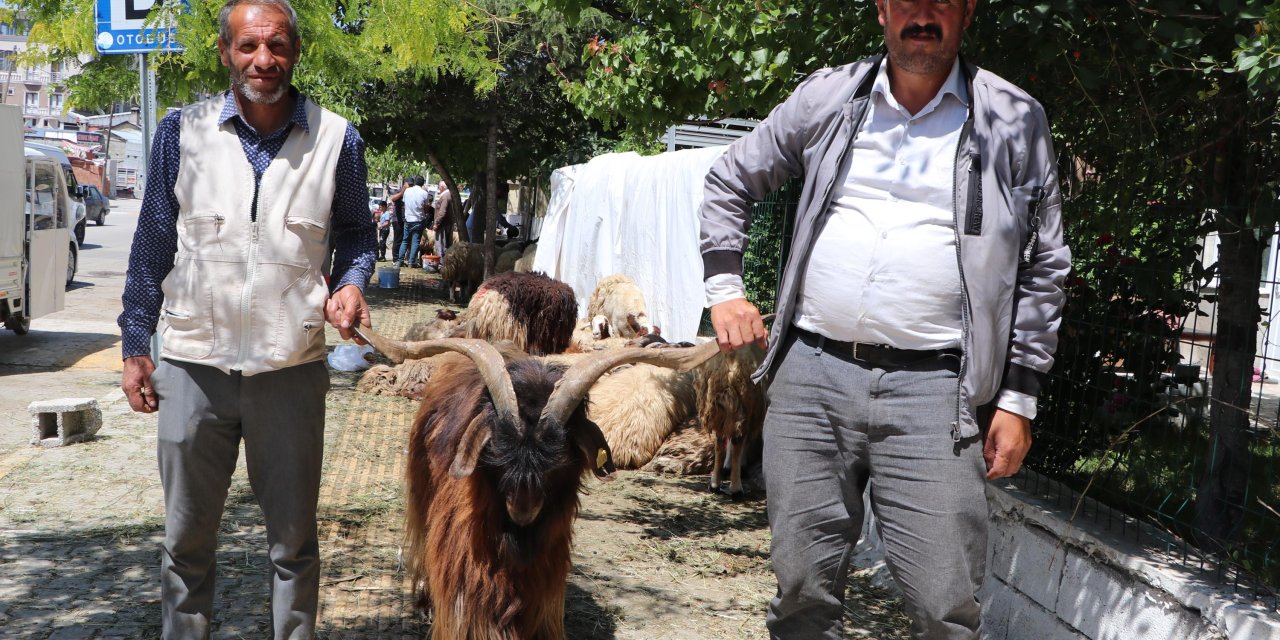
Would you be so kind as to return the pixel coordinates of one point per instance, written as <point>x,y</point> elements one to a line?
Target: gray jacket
<point>1007,211</point>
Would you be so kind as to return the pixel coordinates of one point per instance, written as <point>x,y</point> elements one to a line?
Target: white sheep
<point>617,309</point>
<point>525,263</point>
<point>636,407</point>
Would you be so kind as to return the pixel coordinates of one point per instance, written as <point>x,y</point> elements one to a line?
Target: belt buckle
<point>854,351</point>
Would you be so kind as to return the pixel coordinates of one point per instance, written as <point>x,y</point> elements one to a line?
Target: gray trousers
<point>204,414</point>
<point>835,428</point>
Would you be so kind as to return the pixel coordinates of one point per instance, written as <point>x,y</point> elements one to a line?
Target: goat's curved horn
<point>488,359</point>
<point>575,382</point>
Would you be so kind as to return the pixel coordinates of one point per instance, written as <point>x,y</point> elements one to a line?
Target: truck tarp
<point>635,215</point>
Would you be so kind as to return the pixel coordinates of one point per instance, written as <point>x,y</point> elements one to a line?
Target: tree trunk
<point>1220,502</point>
<point>491,194</point>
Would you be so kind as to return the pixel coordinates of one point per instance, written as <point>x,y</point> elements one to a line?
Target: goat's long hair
<point>484,576</point>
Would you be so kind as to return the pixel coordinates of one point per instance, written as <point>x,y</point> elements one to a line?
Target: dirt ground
<point>654,557</point>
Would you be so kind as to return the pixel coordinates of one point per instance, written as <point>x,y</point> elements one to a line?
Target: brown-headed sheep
<point>495,465</point>
<point>533,310</point>
<point>443,325</point>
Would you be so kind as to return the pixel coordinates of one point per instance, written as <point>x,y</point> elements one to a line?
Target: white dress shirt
<point>884,268</point>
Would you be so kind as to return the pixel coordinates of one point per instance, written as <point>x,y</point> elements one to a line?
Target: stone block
<point>55,423</point>
<point>1008,614</point>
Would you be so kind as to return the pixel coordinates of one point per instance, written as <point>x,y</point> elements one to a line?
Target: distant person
<point>397,226</point>
<point>415,207</point>
<point>443,219</point>
<point>237,298</point>
<point>386,222</point>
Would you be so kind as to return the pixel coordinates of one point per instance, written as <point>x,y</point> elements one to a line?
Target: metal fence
<point>1130,416</point>
<point>768,245</point>
<point>1127,417</point>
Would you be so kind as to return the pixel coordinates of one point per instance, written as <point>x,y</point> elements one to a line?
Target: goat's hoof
<point>737,496</point>
<point>713,487</point>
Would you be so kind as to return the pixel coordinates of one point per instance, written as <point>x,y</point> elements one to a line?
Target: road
<point>75,352</point>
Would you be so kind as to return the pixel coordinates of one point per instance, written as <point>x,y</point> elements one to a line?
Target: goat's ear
<point>590,440</point>
<point>474,438</point>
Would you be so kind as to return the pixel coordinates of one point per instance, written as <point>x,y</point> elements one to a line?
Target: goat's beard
<point>242,87</point>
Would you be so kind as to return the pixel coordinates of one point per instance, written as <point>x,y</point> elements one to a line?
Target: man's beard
<point>242,87</point>
<point>920,63</point>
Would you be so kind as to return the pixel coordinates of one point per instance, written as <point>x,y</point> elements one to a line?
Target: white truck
<point>38,251</point>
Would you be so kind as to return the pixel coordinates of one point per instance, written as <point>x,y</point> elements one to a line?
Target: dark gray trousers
<point>204,414</point>
<point>835,428</point>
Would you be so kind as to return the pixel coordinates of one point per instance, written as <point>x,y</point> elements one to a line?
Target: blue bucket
<point>388,277</point>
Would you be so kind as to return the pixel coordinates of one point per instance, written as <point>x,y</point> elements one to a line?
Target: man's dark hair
<point>224,16</point>
<point>417,181</point>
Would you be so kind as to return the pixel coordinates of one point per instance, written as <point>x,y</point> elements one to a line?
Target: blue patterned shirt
<point>155,242</point>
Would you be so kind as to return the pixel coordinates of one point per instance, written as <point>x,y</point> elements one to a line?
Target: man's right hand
<point>136,384</point>
<point>737,323</point>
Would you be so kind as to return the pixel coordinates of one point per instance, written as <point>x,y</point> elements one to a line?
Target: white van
<point>38,251</point>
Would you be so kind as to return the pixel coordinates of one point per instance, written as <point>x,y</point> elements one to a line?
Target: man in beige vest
<point>246,189</point>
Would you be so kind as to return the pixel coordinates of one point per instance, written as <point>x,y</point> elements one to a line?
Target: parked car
<point>96,205</point>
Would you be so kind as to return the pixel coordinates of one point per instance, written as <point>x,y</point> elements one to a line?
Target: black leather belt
<point>880,355</point>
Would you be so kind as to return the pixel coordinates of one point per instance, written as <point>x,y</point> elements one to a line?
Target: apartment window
<point>55,73</point>
<point>55,101</point>
<point>31,100</point>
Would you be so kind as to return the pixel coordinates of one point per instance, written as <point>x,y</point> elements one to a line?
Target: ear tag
<point>601,457</point>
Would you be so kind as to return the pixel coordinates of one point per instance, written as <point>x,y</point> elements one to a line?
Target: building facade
<point>40,90</point>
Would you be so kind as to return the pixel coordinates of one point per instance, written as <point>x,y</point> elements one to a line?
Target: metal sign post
<point>147,104</point>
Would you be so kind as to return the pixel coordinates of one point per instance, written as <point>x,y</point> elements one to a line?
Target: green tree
<point>469,133</point>
<point>342,46</point>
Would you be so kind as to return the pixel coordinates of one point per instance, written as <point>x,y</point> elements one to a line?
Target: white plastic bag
<point>350,357</point>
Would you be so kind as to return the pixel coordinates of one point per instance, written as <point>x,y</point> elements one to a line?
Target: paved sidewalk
<point>80,528</point>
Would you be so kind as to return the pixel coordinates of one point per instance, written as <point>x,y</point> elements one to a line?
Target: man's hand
<point>1008,441</point>
<point>344,309</point>
<point>136,384</point>
<point>737,323</point>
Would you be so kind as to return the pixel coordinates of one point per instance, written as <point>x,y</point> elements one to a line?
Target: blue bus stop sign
<point>122,28</point>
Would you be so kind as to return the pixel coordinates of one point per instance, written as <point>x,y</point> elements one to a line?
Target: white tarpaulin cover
<point>635,215</point>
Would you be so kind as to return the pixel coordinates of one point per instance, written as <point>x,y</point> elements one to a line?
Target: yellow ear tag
<point>601,457</point>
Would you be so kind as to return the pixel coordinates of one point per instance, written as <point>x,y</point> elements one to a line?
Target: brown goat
<point>731,409</point>
<point>495,465</point>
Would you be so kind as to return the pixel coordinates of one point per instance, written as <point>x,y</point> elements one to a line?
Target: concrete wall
<point>1051,579</point>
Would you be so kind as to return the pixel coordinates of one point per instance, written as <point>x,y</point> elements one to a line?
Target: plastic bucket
<point>388,277</point>
<point>431,263</point>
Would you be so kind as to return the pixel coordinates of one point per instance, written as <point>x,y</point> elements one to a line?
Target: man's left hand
<point>1008,440</point>
<point>344,309</point>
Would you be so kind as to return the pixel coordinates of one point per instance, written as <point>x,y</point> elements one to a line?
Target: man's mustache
<point>922,29</point>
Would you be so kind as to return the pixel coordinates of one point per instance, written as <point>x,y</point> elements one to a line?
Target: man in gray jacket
<point>917,313</point>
